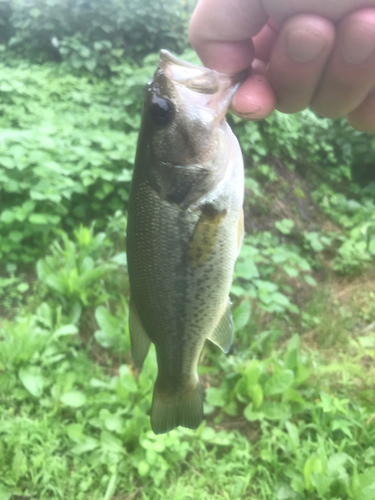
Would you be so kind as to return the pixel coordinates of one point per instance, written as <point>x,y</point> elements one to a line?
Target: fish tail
<point>183,408</point>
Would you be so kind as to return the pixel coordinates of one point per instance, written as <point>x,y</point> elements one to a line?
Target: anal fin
<point>140,343</point>
<point>222,336</point>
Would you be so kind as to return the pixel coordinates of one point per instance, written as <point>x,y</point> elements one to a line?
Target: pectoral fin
<point>240,232</point>
<point>139,339</point>
<point>223,333</point>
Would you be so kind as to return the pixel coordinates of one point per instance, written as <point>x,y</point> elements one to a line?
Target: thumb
<point>221,32</point>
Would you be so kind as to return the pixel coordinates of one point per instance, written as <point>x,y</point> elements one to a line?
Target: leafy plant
<point>74,273</point>
<point>93,36</point>
<point>264,265</point>
<point>73,167</point>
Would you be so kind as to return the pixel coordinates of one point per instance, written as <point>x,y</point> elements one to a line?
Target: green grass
<point>287,417</point>
<point>289,413</point>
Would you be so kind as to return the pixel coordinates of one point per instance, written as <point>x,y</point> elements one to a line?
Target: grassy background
<point>290,412</point>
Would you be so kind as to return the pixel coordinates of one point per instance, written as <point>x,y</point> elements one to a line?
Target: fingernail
<point>252,112</point>
<point>358,43</point>
<point>304,45</point>
<point>251,117</point>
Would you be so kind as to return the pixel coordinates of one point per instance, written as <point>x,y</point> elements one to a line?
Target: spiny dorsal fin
<point>139,339</point>
<point>223,333</point>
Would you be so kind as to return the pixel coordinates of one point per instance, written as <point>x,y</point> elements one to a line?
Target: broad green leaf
<point>252,415</point>
<point>75,399</point>
<point>241,315</point>
<point>66,330</point>
<point>87,264</point>
<point>303,373</point>
<point>256,395</point>
<point>284,226</point>
<point>310,280</point>
<point>371,247</point>
<point>111,443</point>
<point>32,380</point>
<point>365,485</point>
<point>7,216</point>
<point>285,492</point>
<point>127,381</point>
<point>114,423</point>
<point>343,426</point>
<point>88,444</point>
<point>312,464</point>
<point>38,218</point>
<point>291,355</point>
<point>120,259</point>
<point>143,468</point>
<point>108,323</point>
<point>247,269</point>
<point>274,411</point>
<point>279,383</point>
<point>215,396</point>
<point>252,373</point>
<point>5,492</point>
<point>75,432</point>
<point>293,435</point>
<point>321,483</point>
<point>104,339</point>
<point>291,394</point>
<point>293,272</point>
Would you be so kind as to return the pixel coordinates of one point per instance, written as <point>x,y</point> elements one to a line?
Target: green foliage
<point>68,144</point>
<point>267,388</point>
<point>263,268</point>
<point>93,36</point>
<point>66,149</point>
<point>82,427</point>
<point>285,420</point>
<point>308,437</point>
<point>75,272</point>
<point>326,155</point>
<point>298,140</point>
<point>12,290</point>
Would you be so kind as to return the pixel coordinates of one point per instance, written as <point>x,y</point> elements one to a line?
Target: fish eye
<point>161,111</point>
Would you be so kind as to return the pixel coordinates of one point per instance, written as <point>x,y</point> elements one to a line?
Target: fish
<point>184,232</point>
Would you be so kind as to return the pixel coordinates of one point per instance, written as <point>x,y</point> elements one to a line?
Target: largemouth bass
<point>185,229</point>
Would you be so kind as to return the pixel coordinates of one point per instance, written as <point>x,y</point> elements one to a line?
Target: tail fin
<point>171,410</point>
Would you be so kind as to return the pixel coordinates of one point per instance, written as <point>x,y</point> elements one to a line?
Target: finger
<point>221,32</point>
<point>298,59</point>
<point>258,67</point>
<point>255,98</point>
<point>363,117</point>
<point>264,41</point>
<point>350,73</point>
<point>333,10</point>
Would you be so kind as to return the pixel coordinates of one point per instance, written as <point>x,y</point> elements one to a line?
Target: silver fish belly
<point>185,228</point>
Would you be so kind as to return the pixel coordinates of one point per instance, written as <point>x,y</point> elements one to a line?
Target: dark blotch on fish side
<point>204,238</point>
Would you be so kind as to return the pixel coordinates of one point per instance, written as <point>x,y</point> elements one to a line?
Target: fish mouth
<point>218,87</point>
<point>167,57</point>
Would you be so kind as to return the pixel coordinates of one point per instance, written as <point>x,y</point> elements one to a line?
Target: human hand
<point>317,53</point>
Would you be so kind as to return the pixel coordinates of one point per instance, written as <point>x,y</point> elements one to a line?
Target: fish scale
<point>183,232</point>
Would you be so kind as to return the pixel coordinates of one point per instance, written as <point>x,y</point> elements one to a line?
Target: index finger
<point>221,32</point>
